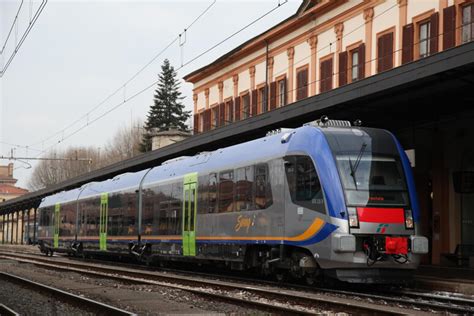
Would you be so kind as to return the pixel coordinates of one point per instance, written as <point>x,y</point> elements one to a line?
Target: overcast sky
<point>79,52</point>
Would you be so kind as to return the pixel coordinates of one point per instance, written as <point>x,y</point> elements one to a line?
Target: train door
<point>189,214</point>
<point>57,209</point>
<point>104,210</point>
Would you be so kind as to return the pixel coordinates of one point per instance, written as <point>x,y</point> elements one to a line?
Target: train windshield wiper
<point>356,164</point>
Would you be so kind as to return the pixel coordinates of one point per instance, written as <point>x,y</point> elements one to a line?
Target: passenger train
<point>325,199</point>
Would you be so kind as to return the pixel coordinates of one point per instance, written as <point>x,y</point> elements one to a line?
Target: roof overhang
<point>305,13</point>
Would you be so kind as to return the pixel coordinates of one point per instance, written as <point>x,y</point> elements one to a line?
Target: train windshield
<point>369,166</point>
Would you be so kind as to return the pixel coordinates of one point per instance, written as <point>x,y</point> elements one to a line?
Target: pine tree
<point>168,110</point>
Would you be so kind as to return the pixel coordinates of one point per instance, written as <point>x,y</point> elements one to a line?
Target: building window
<point>385,52</point>
<point>201,123</point>
<point>282,92</point>
<point>302,84</point>
<point>229,114</point>
<point>468,23</point>
<point>424,45</point>
<point>326,69</point>
<point>215,117</point>
<point>245,100</point>
<point>354,65</point>
<point>262,99</point>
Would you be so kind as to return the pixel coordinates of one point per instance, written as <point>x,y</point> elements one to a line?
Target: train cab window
<point>263,192</point>
<point>212,207</point>
<point>244,182</point>
<point>226,191</point>
<point>303,183</point>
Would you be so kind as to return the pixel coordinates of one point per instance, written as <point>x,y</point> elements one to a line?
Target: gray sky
<point>79,52</point>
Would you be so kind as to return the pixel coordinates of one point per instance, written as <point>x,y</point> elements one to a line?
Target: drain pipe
<point>266,76</point>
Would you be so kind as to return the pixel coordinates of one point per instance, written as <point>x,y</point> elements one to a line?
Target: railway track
<point>60,296</point>
<point>269,298</point>
<point>404,298</point>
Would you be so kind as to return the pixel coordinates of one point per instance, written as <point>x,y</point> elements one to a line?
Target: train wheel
<point>281,275</point>
<point>310,279</point>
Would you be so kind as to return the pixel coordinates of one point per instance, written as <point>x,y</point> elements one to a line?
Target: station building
<point>326,45</point>
<point>9,191</point>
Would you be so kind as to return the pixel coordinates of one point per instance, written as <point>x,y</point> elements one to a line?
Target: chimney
<point>10,170</point>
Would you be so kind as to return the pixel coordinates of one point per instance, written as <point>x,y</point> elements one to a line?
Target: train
<point>327,200</point>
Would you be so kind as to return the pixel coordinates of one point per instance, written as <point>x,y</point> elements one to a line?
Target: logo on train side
<point>243,222</point>
<point>382,228</point>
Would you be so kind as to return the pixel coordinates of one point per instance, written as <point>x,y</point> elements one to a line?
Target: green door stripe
<point>189,213</point>
<point>57,209</point>
<point>104,208</point>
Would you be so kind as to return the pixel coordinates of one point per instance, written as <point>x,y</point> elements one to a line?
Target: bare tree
<point>49,172</point>
<point>123,145</point>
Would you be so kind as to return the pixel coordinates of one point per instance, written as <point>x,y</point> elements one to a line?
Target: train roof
<point>60,197</point>
<point>280,143</point>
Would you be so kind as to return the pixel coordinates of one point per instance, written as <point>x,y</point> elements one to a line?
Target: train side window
<point>303,183</point>
<point>244,188</point>
<point>203,196</point>
<point>263,192</point>
<point>212,206</point>
<point>226,191</point>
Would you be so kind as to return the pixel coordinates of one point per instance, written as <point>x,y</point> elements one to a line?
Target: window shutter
<point>222,114</point>
<point>342,69</point>
<point>207,120</point>
<point>329,73</point>
<point>204,121</point>
<point>434,32</point>
<point>449,25</point>
<point>362,61</point>
<point>254,102</point>
<point>273,94</point>
<point>408,39</point>
<point>380,52</point>
<point>304,93</point>
<point>237,108</point>
<point>285,92</point>
<point>196,123</point>
<point>326,76</point>
<point>322,77</point>
<point>299,83</point>
<point>389,51</point>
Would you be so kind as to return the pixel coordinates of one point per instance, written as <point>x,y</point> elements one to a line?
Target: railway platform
<point>442,278</point>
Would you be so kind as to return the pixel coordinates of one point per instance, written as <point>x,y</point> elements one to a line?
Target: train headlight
<point>409,219</point>
<point>353,219</point>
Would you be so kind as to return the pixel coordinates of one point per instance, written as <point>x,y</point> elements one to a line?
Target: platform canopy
<point>431,90</point>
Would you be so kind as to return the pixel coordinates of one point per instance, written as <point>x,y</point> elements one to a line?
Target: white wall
<point>228,88</point>
<point>280,64</point>
<point>244,81</point>
<point>354,31</point>
<point>418,7</point>
<point>213,94</point>
<point>201,102</point>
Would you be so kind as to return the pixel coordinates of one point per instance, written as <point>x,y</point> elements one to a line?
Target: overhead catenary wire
<point>123,86</point>
<point>118,105</point>
<point>11,28</point>
<point>23,37</point>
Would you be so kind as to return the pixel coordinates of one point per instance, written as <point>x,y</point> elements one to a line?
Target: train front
<point>381,242</point>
